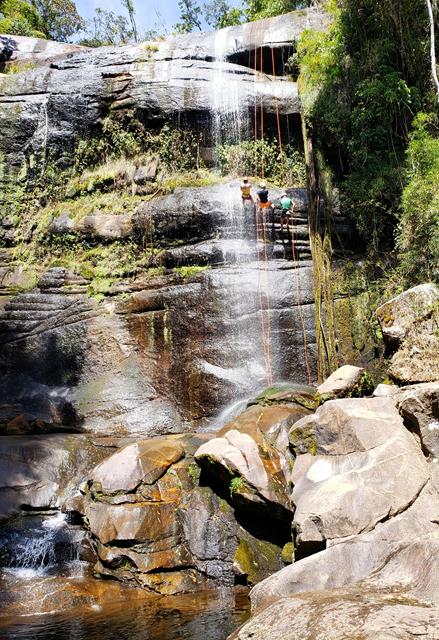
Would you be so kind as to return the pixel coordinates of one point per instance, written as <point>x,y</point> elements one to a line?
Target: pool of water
<point>48,592</point>
<point>135,616</point>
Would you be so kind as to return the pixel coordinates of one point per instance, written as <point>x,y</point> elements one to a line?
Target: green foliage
<point>194,472</point>
<point>190,16</point>
<point>123,135</point>
<point>129,6</point>
<point>361,82</point>
<point>58,19</point>
<point>237,484</point>
<point>219,14</point>
<point>191,271</point>
<point>245,158</point>
<point>20,67</point>
<point>418,232</point>
<point>257,9</point>
<point>21,18</point>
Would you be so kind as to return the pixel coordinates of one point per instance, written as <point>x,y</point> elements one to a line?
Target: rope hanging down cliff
<point>265,310</point>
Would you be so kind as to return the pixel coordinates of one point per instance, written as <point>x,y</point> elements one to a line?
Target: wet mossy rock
<point>303,395</point>
<point>254,559</point>
<point>302,437</point>
<point>346,382</point>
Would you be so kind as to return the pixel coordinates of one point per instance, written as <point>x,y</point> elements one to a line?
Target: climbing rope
<point>262,123</point>
<point>298,292</point>
<point>265,309</point>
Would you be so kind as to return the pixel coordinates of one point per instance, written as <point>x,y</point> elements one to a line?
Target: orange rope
<point>256,113</point>
<point>262,124</point>
<point>267,329</point>
<point>279,130</point>
<point>268,310</point>
<point>299,306</point>
<point>261,305</point>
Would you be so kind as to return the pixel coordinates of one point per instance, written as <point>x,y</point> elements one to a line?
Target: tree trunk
<point>433,47</point>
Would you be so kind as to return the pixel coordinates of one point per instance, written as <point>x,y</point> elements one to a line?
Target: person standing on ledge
<point>262,197</point>
<point>246,192</point>
<point>286,209</point>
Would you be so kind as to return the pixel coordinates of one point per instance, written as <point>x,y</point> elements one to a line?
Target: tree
<point>219,14</point>
<point>106,28</point>
<point>257,9</point>
<point>58,19</point>
<point>432,47</point>
<point>189,16</point>
<point>128,4</point>
<point>19,17</point>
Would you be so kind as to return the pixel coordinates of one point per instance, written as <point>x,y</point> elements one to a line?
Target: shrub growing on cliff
<point>122,135</point>
<point>287,167</point>
<point>361,84</point>
<point>418,233</point>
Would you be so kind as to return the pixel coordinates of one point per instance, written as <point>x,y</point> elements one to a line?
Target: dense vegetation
<point>371,108</point>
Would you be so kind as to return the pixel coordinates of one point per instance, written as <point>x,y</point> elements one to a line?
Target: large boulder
<point>419,406</point>
<point>346,453</point>
<point>45,472</point>
<point>154,524</point>
<point>409,326</point>
<point>358,558</point>
<point>357,612</point>
<point>251,460</point>
<point>345,381</point>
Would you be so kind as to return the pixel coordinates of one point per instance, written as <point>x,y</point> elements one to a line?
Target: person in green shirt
<point>287,209</point>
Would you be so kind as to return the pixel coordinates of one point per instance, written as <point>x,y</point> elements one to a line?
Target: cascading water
<point>230,120</point>
<point>245,360</point>
<point>35,546</point>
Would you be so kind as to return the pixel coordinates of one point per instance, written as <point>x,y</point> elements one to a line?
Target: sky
<point>150,14</point>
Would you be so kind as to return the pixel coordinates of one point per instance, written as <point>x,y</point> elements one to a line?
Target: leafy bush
<point>286,167</point>
<point>418,232</point>
<point>124,136</point>
<point>361,83</point>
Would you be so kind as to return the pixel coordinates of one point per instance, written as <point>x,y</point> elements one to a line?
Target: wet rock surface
<point>44,472</point>
<point>156,525</point>
<point>150,358</point>
<point>71,87</point>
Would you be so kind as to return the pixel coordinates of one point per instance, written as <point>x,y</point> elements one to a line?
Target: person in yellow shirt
<point>246,192</point>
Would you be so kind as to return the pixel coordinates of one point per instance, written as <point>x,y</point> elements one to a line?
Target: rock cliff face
<point>162,353</point>
<point>71,88</point>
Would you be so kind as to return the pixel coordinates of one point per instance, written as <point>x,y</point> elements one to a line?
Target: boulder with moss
<point>347,381</point>
<point>250,458</point>
<point>154,523</point>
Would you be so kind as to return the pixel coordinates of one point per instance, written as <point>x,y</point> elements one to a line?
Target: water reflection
<point>205,616</point>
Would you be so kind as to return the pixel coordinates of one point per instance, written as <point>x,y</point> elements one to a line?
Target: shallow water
<point>204,616</point>
<point>47,591</point>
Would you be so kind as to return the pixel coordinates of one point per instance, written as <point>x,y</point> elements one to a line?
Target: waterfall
<point>34,546</point>
<point>230,121</point>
